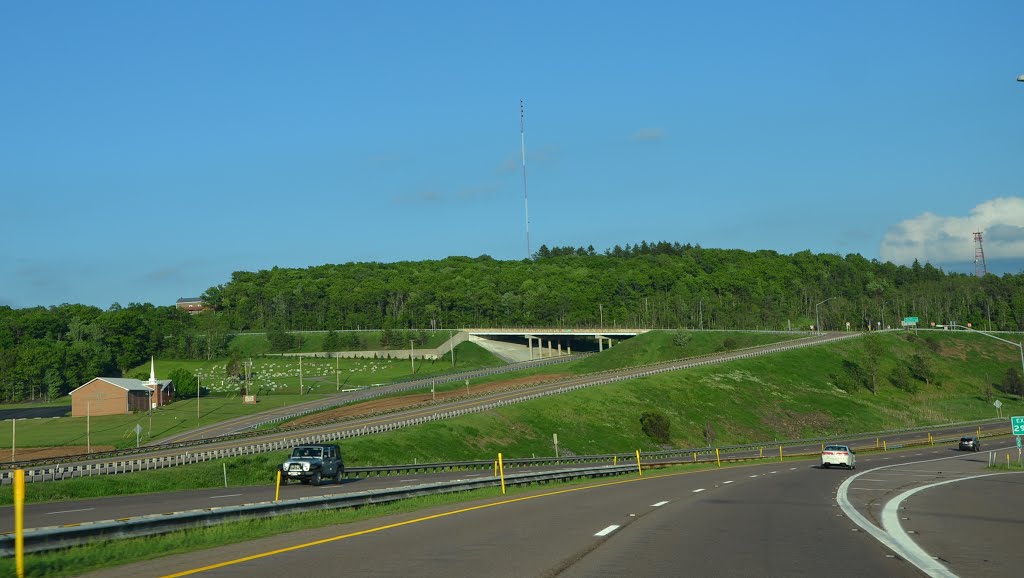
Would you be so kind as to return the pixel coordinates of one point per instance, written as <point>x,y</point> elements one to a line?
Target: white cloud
<point>937,239</point>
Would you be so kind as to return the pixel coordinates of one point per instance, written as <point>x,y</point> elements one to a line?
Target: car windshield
<point>307,452</point>
<point>966,439</point>
<point>835,448</point>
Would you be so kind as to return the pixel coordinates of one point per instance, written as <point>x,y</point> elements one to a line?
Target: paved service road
<point>767,519</point>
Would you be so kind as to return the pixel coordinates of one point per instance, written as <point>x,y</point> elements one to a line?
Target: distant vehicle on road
<point>836,455</point>
<point>969,443</point>
<point>310,464</point>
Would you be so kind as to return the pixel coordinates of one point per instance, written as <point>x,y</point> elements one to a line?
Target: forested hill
<point>646,285</point>
<point>45,352</point>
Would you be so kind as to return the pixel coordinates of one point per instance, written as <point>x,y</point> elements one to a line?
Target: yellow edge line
<point>418,520</point>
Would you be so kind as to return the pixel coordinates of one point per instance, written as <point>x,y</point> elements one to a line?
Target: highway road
<point>770,519</point>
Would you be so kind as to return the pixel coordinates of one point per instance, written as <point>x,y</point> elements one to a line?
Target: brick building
<point>120,395</point>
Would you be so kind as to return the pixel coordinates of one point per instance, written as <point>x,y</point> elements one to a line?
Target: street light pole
<point>817,321</point>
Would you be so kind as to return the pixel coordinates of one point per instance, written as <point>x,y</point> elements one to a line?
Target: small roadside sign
<point>1017,423</point>
<point>1018,442</point>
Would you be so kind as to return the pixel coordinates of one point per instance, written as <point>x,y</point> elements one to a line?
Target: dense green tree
<point>185,383</point>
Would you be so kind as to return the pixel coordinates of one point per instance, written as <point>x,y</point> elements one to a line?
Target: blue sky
<point>150,149</point>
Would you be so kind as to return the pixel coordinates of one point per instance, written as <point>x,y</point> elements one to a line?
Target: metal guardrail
<point>143,464</point>
<point>59,537</point>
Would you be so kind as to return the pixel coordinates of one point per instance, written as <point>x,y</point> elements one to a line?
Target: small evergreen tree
<point>331,341</point>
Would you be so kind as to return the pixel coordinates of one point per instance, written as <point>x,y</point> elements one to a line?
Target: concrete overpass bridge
<point>512,344</point>
<point>525,344</point>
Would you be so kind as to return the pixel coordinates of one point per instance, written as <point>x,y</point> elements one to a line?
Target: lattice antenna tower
<point>526,201</point>
<point>980,269</point>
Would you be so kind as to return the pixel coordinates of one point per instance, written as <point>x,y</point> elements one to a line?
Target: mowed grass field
<point>276,382</point>
<point>771,398</point>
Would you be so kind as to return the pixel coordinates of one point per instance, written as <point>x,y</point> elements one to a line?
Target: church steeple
<point>152,372</point>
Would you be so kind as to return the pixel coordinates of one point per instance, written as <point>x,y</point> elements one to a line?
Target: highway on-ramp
<point>780,519</point>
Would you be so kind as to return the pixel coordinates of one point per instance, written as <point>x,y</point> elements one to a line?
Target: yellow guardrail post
<point>876,443</point>
<point>19,521</point>
<point>822,447</point>
<point>277,487</point>
<point>780,453</point>
<point>762,451</point>
<point>694,457</point>
<point>638,468</point>
<point>615,460</point>
<point>884,448</point>
<point>718,458</point>
<point>495,468</point>
<point>501,469</point>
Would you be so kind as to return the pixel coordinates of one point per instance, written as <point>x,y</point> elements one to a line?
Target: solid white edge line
<point>929,565</point>
<point>607,531</point>
<point>659,504</point>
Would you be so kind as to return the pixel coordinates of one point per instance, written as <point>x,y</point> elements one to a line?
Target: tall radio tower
<point>526,201</point>
<point>980,269</point>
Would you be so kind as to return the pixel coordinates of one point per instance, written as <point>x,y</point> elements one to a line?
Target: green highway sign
<point>1017,423</point>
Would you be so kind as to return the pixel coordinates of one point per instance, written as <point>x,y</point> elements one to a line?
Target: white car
<point>838,456</point>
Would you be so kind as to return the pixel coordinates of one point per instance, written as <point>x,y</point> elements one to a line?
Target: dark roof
<point>190,300</point>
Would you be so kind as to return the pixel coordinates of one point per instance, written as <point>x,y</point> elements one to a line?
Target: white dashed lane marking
<point>698,490</point>
<point>69,511</point>
<point>225,496</point>
<point>728,482</point>
<point>607,530</point>
<point>659,504</point>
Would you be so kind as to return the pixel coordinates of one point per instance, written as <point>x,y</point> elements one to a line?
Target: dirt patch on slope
<point>388,404</point>
<point>33,454</point>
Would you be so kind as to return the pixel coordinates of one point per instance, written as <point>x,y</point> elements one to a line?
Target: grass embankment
<point>776,397</point>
